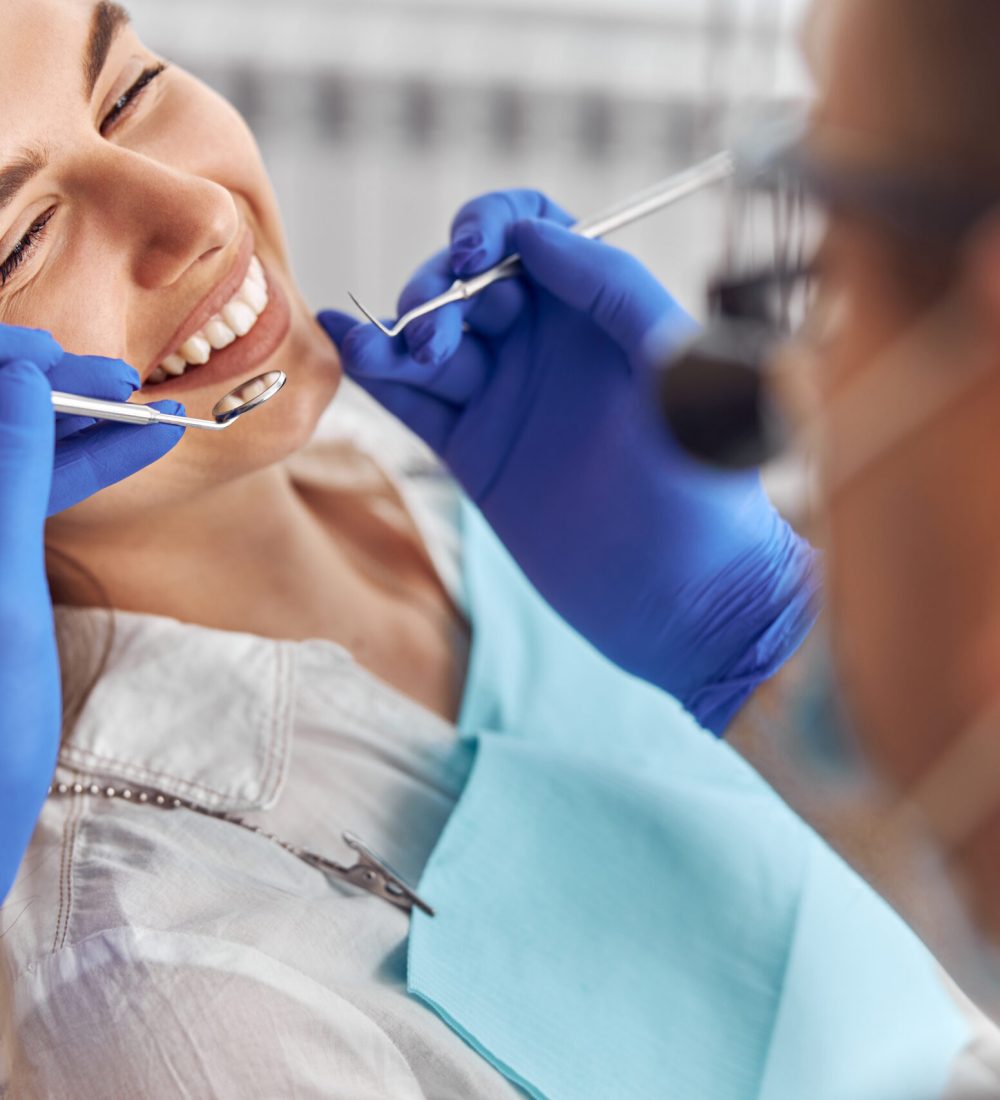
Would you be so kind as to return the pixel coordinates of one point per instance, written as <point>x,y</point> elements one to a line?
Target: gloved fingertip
<point>431,354</point>
<point>466,265</point>
<point>466,238</point>
<point>119,367</point>
<point>439,341</point>
<point>131,375</point>
<point>365,350</point>
<point>419,335</point>
<point>116,370</point>
<point>467,254</point>
<point>357,342</point>
<point>336,324</point>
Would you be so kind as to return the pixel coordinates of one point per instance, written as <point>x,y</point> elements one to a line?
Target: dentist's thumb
<point>610,286</point>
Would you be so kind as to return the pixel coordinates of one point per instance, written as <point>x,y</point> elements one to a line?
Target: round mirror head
<point>249,395</point>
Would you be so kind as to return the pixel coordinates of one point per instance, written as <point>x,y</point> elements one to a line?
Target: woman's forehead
<point>42,29</point>
<point>23,18</point>
<point>50,57</point>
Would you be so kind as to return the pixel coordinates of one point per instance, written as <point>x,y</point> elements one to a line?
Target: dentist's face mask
<point>767,337</point>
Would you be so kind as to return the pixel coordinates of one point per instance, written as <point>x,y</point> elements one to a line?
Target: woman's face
<point>914,538</point>
<point>140,199</point>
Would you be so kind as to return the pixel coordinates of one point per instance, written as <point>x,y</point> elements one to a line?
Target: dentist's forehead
<point>816,35</point>
<point>858,53</point>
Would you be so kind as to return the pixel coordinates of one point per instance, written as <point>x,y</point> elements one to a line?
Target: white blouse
<point>152,952</point>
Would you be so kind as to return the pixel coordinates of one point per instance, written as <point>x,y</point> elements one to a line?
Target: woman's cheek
<point>202,133</point>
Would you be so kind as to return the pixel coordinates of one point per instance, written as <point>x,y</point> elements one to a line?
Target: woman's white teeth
<point>195,351</point>
<point>239,317</point>
<point>174,364</point>
<point>236,318</point>
<point>255,296</point>
<point>218,334</point>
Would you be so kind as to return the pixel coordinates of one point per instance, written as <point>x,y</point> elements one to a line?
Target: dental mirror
<point>246,397</point>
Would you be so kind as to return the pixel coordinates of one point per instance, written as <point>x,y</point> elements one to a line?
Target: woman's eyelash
<point>126,100</point>
<point>24,247</point>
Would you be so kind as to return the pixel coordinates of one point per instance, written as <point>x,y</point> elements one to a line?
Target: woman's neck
<point>265,556</point>
<point>219,559</point>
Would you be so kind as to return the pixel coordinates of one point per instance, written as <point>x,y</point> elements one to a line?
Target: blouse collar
<point>191,712</point>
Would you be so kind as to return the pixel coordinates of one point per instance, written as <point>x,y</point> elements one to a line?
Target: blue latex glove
<point>46,464</point>
<point>535,395</point>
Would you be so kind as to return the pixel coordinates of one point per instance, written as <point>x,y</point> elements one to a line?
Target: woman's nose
<point>168,219</point>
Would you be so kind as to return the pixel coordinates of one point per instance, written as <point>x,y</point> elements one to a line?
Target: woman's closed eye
<point>122,106</point>
<point>25,246</point>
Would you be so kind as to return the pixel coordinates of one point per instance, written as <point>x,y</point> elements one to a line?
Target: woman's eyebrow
<point>108,20</point>
<point>16,175</point>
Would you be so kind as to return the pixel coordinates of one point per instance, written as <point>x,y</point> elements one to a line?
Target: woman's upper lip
<point>211,303</point>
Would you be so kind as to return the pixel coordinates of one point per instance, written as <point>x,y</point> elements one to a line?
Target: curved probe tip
<point>371,317</point>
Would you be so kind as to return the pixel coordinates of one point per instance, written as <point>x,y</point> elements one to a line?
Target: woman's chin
<point>209,461</point>
<point>284,425</point>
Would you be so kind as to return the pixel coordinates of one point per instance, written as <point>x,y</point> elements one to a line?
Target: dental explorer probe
<point>633,209</point>
<point>246,397</point>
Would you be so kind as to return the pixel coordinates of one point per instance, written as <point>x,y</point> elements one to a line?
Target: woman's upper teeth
<point>236,318</point>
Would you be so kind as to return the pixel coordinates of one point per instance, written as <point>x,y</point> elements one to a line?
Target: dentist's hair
<point>934,109</point>
<point>944,84</point>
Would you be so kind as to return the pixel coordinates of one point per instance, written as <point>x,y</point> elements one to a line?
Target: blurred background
<point>379,118</point>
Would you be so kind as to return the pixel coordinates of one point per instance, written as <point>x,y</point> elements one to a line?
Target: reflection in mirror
<point>248,396</point>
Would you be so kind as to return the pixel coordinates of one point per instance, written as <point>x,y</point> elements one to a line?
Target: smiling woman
<point>137,221</point>
<point>144,227</point>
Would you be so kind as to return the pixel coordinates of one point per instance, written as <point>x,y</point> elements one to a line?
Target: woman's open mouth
<point>236,318</point>
<point>241,335</point>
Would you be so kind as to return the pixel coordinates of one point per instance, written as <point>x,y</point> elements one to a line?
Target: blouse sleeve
<point>135,1012</point>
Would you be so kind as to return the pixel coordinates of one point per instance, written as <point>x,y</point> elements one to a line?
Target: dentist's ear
<point>982,275</point>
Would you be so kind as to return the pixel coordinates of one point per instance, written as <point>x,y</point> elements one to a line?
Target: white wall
<point>378,118</point>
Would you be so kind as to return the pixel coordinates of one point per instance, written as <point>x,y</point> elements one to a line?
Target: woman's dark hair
<point>84,641</point>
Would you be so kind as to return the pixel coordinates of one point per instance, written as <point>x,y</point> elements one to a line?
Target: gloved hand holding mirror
<point>47,464</point>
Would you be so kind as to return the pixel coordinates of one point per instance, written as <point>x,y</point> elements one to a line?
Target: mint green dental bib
<point>626,910</point>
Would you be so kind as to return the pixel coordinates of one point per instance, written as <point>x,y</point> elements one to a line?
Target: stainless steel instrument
<point>246,397</point>
<point>633,209</point>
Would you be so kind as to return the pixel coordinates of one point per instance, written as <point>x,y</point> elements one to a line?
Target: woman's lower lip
<point>240,358</point>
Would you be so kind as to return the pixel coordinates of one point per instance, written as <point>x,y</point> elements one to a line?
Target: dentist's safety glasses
<point>770,305</point>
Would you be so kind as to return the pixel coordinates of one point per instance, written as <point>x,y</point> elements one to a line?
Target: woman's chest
<point>415,641</point>
<point>385,602</point>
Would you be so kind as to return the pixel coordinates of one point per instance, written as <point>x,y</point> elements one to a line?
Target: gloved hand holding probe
<point>47,464</point>
<point>535,395</point>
